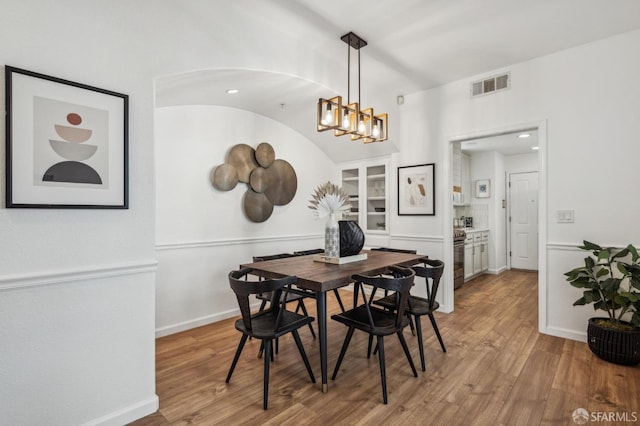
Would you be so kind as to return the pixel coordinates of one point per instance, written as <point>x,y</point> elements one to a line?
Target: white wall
<point>77,286</point>
<point>56,264</point>
<point>202,233</point>
<point>591,147</point>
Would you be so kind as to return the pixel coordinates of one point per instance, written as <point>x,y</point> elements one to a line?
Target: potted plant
<point>610,278</point>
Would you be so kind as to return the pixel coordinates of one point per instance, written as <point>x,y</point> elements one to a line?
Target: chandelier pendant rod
<point>348,73</point>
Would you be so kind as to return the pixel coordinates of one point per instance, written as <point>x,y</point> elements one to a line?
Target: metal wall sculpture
<point>271,182</point>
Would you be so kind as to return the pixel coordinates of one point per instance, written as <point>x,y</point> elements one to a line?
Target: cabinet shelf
<point>377,198</point>
<point>376,177</point>
<point>350,179</point>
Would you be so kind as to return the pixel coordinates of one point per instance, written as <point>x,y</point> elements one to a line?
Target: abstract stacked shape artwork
<point>73,149</point>
<point>271,182</point>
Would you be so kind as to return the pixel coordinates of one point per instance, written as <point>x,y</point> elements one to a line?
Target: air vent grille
<point>490,85</point>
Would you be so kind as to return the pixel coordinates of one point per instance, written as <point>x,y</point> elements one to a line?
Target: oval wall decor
<point>271,182</point>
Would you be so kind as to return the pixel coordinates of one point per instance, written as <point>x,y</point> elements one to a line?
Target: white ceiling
<point>413,45</point>
<point>506,144</point>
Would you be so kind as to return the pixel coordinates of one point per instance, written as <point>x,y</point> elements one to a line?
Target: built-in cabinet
<point>367,185</point>
<point>476,253</point>
<point>460,169</point>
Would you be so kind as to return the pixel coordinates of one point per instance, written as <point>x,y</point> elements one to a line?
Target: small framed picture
<point>66,144</point>
<point>483,188</point>
<point>416,190</point>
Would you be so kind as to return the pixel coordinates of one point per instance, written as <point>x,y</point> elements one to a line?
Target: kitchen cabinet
<point>367,185</point>
<point>484,252</point>
<point>476,253</point>
<point>468,256</point>
<point>460,170</point>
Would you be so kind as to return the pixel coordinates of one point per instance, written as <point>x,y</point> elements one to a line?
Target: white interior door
<point>523,196</point>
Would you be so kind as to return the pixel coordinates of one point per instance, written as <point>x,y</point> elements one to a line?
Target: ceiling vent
<point>490,85</point>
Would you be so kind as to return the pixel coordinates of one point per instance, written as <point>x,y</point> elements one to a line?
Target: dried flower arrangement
<point>329,199</point>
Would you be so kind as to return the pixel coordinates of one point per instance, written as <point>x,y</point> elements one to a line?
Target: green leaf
<point>634,252</point>
<point>589,262</point>
<point>622,253</point>
<point>604,254</point>
<point>590,246</point>
<point>635,282</point>
<point>630,296</point>
<point>623,268</point>
<point>600,306</point>
<point>580,301</point>
<point>602,272</point>
<point>588,296</point>
<point>621,300</point>
<point>611,285</point>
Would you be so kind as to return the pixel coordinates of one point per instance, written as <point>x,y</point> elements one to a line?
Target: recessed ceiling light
<point>524,135</point>
<point>232,91</point>
<point>535,148</point>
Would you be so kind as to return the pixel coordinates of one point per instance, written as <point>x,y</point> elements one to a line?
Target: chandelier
<point>350,119</point>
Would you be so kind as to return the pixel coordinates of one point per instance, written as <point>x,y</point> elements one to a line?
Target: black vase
<point>616,346</point>
<point>351,238</point>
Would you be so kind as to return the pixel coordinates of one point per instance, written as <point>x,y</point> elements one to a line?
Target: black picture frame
<point>66,143</point>
<point>416,190</point>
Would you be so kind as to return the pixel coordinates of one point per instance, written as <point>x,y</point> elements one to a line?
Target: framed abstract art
<point>416,190</point>
<point>66,143</point>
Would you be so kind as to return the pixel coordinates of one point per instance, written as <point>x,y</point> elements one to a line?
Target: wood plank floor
<point>498,370</point>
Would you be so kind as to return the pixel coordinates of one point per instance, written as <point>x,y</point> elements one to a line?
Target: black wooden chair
<point>294,296</point>
<point>268,324</point>
<point>319,251</point>
<point>420,306</point>
<point>376,321</point>
<point>395,250</point>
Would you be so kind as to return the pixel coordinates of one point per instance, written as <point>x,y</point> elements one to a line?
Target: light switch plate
<point>564,216</point>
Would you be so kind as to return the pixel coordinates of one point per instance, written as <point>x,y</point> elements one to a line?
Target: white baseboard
<point>198,322</point>
<point>565,333</point>
<point>127,414</point>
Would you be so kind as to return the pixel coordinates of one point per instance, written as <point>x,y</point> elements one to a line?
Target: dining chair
<point>293,296</point>
<point>376,321</point>
<point>268,324</point>
<point>420,306</point>
<point>394,250</point>
<point>320,251</point>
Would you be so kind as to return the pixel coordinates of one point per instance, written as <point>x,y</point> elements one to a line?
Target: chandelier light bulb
<point>328,117</point>
<point>361,127</point>
<point>345,120</point>
<point>376,130</point>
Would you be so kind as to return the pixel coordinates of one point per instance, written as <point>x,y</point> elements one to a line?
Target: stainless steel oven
<point>458,257</point>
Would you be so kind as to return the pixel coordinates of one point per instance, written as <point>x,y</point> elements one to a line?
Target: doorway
<point>512,156</point>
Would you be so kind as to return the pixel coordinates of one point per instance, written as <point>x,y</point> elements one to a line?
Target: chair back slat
<point>307,252</point>
<point>401,284</point>
<point>272,257</point>
<point>432,275</point>
<point>395,250</point>
<point>243,289</point>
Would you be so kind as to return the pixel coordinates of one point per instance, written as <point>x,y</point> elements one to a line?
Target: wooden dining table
<point>321,277</point>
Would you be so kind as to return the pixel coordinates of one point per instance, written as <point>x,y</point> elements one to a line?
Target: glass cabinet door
<point>376,197</point>
<point>351,185</point>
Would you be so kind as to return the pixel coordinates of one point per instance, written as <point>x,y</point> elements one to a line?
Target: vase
<point>332,237</point>
<point>351,238</point>
<point>616,346</point>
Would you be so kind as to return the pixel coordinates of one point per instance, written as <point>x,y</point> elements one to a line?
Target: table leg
<point>321,307</point>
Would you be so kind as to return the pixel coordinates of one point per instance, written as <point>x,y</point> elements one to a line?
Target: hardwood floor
<point>498,370</point>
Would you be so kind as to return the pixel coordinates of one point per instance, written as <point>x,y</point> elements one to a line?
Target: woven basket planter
<point>612,345</point>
